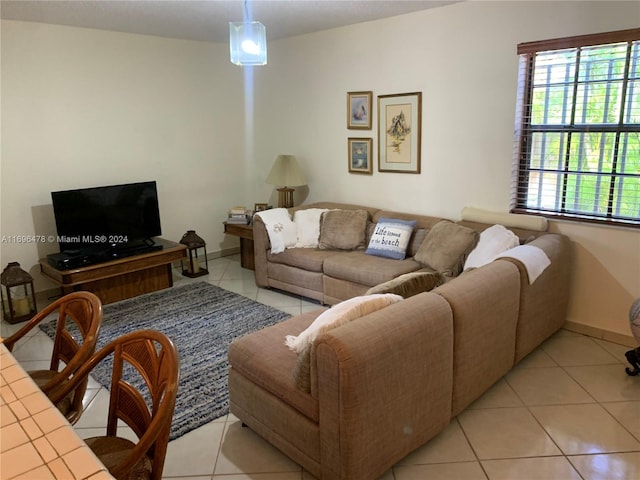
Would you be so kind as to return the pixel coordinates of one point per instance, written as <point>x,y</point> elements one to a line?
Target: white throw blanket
<point>534,259</point>
<point>281,229</point>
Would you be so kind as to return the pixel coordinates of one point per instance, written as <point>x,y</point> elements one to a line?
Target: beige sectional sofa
<point>329,276</point>
<point>384,384</point>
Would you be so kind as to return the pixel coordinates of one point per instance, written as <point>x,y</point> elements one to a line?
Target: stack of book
<point>239,215</point>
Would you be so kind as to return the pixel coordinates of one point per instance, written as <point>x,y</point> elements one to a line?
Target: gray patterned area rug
<point>202,320</point>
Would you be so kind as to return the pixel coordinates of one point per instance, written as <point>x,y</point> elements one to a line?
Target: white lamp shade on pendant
<point>248,43</point>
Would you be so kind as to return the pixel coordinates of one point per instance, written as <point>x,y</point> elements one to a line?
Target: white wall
<point>463,59</point>
<point>84,107</point>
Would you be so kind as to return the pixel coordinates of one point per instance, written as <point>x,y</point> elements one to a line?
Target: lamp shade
<point>286,172</point>
<point>248,43</point>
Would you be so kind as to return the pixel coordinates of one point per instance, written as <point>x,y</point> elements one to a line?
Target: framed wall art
<point>360,155</point>
<point>399,132</point>
<point>359,110</point>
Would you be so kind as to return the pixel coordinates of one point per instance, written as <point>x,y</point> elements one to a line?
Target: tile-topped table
<point>36,440</point>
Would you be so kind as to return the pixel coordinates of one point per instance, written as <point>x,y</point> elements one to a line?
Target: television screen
<point>106,217</point>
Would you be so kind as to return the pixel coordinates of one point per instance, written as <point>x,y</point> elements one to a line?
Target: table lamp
<point>286,173</point>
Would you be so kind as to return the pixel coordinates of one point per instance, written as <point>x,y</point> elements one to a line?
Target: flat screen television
<point>114,217</point>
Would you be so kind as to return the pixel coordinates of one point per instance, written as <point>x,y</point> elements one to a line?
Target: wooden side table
<point>245,232</point>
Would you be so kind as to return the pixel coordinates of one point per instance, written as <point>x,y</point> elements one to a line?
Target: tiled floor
<point>567,411</point>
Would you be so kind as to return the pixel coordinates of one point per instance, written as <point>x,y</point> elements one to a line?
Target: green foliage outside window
<point>579,153</point>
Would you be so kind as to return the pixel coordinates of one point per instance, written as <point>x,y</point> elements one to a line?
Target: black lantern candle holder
<point>18,294</point>
<point>196,247</point>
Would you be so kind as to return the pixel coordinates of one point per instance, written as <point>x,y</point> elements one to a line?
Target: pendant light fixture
<point>247,41</point>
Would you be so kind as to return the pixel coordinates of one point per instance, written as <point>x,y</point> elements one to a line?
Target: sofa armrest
<point>556,246</point>
<point>543,304</point>
<point>384,386</point>
<point>261,246</point>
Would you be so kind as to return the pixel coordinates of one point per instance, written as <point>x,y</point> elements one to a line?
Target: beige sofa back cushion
<point>343,229</point>
<point>446,246</point>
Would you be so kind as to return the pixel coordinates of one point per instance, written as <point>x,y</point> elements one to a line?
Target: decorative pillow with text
<point>390,238</point>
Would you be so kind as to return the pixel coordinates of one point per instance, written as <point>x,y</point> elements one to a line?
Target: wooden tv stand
<point>121,278</point>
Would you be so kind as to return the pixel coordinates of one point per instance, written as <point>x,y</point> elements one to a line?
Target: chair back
<point>143,391</point>
<point>79,317</point>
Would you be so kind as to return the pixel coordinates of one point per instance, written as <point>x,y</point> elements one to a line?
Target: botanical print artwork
<point>398,131</point>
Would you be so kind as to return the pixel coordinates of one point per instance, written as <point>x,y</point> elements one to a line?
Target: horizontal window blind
<point>577,149</point>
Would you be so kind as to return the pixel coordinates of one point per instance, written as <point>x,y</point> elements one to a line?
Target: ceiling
<point>207,20</point>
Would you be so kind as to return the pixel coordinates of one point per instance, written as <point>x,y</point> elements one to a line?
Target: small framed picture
<point>360,155</point>
<point>260,207</point>
<point>359,110</point>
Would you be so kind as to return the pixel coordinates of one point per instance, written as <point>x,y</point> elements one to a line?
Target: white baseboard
<point>211,255</point>
<point>601,333</point>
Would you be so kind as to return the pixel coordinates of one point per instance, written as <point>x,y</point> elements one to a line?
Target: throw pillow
<point>340,314</point>
<point>308,226</point>
<point>409,284</point>
<point>343,229</point>
<point>280,228</point>
<point>390,238</point>
<point>446,247</point>
<point>493,241</point>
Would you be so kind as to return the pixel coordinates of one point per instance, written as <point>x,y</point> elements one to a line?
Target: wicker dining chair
<point>82,311</point>
<point>148,359</point>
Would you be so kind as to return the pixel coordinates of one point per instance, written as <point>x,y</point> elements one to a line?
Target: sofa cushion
<point>417,237</point>
<point>338,315</point>
<point>390,238</point>
<point>308,226</point>
<point>368,270</point>
<point>493,241</point>
<point>310,259</point>
<point>270,368</point>
<point>343,229</point>
<point>409,284</point>
<point>446,246</point>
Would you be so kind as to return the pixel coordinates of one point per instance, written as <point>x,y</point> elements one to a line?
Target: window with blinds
<point>578,128</point>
